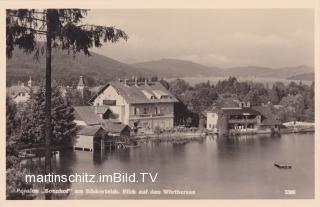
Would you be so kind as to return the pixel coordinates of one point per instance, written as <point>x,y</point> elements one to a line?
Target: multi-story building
<point>141,105</point>
<point>243,119</point>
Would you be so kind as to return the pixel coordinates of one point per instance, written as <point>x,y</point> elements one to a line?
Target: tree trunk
<point>48,196</point>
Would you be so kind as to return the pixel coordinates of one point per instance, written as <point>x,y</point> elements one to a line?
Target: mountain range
<point>98,69</point>
<point>182,68</point>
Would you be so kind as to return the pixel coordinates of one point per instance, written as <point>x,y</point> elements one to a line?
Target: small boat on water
<point>282,165</point>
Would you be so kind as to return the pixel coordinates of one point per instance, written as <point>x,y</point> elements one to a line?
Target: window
<point>136,111</point>
<point>145,110</point>
<point>109,102</point>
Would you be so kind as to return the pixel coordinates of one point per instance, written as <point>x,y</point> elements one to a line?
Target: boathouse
<point>91,138</point>
<point>99,127</point>
<point>98,137</point>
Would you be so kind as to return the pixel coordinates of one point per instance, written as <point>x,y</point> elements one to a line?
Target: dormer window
<point>148,95</point>
<point>161,94</point>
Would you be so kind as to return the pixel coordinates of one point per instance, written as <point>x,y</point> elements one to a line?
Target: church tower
<point>81,86</point>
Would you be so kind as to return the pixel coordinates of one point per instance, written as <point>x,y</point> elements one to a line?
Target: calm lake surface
<point>217,168</point>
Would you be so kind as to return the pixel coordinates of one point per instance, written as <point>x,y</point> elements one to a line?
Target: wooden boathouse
<point>98,138</point>
<point>99,128</point>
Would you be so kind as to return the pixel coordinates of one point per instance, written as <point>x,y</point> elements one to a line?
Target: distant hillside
<point>267,72</point>
<point>177,68</point>
<point>181,68</point>
<point>98,69</point>
<point>302,77</point>
<point>66,69</point>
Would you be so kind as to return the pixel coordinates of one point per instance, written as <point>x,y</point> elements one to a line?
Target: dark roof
<point>89,130</point>
<point>87,114</point>
<point>137,94</point>
<point>114,127</point>
<point>239,111</point>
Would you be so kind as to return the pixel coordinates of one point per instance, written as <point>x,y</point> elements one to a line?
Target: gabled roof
<point>114,127</point>
<point>14,91</point>
<point>270,118</point>
<point>90,130</point>
<point>137,94</point>
<point>87,114</point>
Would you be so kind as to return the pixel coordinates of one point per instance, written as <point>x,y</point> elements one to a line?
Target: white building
<point>141,105</point>
<point>21,93</point>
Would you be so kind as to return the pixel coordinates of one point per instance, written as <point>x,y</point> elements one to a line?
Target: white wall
<point>21,99</point>
<point>121,108</point>
<point>84,141</point>
<point>212,120</point>
<point>109,93</point>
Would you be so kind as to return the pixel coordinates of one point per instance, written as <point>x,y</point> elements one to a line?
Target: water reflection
<point>216,167</point>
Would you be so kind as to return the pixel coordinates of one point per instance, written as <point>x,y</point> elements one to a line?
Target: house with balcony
<point>241,119</point>
<point>143,106</point>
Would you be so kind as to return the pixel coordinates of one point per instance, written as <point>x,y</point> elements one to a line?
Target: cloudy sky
<point>214,37</point>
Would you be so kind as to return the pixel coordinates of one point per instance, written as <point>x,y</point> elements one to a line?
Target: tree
<point>293,108</point>
<point>63,125</point>
<point>14,173</point>
<point>61,29</point>
<point>11,132</point>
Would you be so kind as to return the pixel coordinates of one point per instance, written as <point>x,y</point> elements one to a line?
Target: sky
<point>213,37</point>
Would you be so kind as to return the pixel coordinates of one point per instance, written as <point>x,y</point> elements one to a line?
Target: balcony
<point>146,116</point>
<point>243,121</point>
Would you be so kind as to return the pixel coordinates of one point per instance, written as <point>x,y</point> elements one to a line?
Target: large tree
<point>60,28</point>
<point>33,120</point>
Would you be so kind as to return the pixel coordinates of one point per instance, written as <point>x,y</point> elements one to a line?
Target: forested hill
<point>304,76</point>
<point>99,69</point>
<point>65,69</point>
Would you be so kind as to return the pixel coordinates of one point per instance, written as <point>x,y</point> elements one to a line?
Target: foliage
<point>297,100</point>
<point>63,126</point>
<point>76,98</point>
<point>14,173</point>
<point>15,180</point>
<point>24,27</point>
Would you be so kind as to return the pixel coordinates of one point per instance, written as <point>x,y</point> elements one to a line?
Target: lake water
<point>217,168</point>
